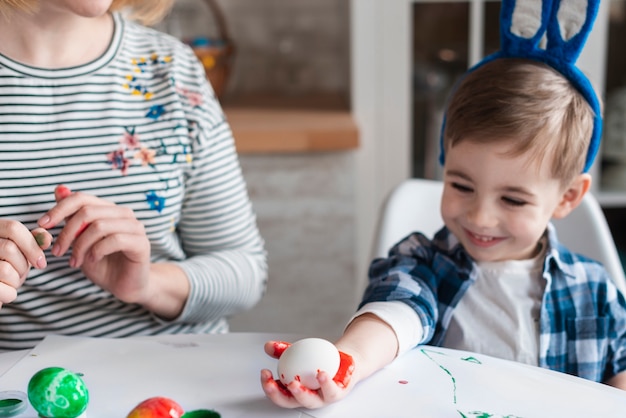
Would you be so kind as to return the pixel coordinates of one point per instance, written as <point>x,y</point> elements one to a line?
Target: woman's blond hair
<point>147,12</point>
<point>527,103</point>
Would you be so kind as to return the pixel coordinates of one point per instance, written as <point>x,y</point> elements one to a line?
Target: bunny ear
<point>522,24</point>
<point>570,23</point>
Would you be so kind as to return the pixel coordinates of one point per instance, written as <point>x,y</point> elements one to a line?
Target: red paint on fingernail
<point>280,347</point>
<point>62,191</point>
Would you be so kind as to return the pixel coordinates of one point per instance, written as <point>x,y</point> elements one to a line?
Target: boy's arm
<point>618,381</point>
<point>371,342</point>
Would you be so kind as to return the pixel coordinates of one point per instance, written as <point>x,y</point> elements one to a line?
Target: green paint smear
<point>9,402</point>
<point>40,238</point>
<point>474,414</point>
<point>447,372</point>
<point>201,413</point>
<point>480,414</point>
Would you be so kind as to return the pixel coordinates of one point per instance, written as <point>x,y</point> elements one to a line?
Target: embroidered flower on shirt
<point>155,201</point>
<point>146,156</point>
<point>188,155</point>
<point>130,139</point>
<point>143,68</point>
<point>155,112</point>
<point>136,88</point>
<point>118,160</point>
<point>194,98</point>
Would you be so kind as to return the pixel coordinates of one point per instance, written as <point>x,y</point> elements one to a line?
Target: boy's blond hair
<point>147,12</point>
<point>525,102</point>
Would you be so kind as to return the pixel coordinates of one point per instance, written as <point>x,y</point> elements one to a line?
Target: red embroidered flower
<point>118,161</point>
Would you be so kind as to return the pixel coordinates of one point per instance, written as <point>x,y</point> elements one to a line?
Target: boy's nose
<point>481,214</point>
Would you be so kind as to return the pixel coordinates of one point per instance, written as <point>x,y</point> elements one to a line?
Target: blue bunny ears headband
<point>564,25</point>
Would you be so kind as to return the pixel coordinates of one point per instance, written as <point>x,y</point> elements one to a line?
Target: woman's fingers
<point>68,206</point>
<point>88,221</point>
<point>93,250</point>
<point>8,293</point>
<point>19,247</point>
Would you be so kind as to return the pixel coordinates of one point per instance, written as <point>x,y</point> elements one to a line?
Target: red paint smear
<point>62,191</point>
<point>279,385</point>
<point>403,382</point>
<point>280,347</point>
<point>306,389</point>
<point>346,368</point>
<point>82,229</point>
<point>283,389</point>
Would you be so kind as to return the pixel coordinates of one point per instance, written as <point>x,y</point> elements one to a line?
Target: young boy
<point>495,279</point>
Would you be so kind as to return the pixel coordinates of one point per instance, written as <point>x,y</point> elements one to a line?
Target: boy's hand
<point>296,395</point>
<point>108,243</point>
<point>20,249</point>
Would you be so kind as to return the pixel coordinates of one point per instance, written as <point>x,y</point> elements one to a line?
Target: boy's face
<point>498,206</point>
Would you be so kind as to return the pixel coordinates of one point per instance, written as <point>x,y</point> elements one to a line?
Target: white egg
<point>305,358</point>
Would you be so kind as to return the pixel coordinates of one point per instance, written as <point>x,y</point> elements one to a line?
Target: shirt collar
<point>557,256</point>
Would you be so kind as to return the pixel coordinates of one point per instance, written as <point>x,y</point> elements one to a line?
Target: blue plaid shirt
<point>583,315</point>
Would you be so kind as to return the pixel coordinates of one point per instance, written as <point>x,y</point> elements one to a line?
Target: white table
<point>221,372</point>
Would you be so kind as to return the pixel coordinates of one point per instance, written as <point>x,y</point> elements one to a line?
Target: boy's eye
<point>462,188</point>
<point>513,202</point>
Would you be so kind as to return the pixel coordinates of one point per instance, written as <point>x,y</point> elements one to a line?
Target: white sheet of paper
<point>430,382</point>
<point>221,372</point>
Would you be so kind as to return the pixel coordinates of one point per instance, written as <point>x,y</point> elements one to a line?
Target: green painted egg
<point>56,392</point>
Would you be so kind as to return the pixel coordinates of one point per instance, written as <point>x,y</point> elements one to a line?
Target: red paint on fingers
<point>61,192</point>
<point>82,228</point>
<point>346,368</point>
<point>280,347</point>
<point>280,386</point>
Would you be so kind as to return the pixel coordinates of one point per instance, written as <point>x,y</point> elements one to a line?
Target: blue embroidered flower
<point>155,112</point>
<point>155,201</point>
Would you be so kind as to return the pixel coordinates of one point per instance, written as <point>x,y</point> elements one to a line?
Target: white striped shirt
<point>140,127</point>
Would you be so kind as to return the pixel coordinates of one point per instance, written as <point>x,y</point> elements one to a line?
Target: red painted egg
<point>157,407</point>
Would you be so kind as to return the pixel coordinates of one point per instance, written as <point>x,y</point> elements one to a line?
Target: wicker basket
<point>216,55</point>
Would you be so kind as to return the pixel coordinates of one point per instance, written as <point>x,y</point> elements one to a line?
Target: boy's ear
<point>573,195</point>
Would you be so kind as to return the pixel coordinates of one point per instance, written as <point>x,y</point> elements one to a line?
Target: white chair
<point>414,206</point>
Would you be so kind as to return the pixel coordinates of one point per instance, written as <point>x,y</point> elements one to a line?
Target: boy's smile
<point>496,204</point>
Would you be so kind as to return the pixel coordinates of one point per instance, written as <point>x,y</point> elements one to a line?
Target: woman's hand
<point>108,243</point>
<point>296,395</point>
<point>20,249</point>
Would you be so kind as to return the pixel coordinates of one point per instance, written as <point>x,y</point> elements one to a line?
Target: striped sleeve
<point>227,264</point>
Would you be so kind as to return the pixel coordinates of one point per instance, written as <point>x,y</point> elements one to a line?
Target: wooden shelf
<point>278,130</point>
<point>264,126</point>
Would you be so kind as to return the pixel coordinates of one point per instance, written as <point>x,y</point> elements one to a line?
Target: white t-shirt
<point>499,315</point>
